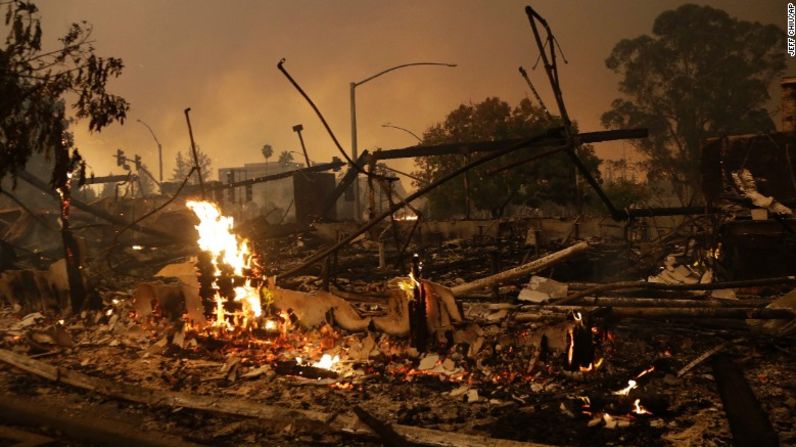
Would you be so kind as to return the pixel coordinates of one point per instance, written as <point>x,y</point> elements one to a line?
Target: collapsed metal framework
<point>563,139</point>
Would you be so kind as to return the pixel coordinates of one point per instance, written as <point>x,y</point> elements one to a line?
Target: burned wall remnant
<point>789,104</point>
<point>771,158</point>
<point>760,240</point>
<point>310,191</point>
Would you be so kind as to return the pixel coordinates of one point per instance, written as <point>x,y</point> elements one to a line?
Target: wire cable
<point>281,68</point>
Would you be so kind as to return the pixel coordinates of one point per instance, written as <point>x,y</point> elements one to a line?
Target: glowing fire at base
<point>638,408</point>
<point>631,384</point>
<point>229,252</point>
<point>579,331</point>
<point>327,361</point>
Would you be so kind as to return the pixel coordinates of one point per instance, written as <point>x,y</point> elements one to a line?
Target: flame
<point>408,286</point>
<point>638,408</point>
<point>578,317</point>
<point>216,237</point>
<point>645,372</point>
<point>327,361</point>
<point>228,250</point>
<point>406,217</point>
<point>631,384</point>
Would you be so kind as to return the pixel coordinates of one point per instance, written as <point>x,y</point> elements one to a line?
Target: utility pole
<point>353,98</point>
<point>160,149</point>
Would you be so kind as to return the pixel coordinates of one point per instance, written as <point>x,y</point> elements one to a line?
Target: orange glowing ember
<point>232,252</point>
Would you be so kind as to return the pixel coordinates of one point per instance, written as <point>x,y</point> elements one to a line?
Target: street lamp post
<point>160,150</point>
<point>353,86</point>
<point>419,140</point>
<point>298,128</point>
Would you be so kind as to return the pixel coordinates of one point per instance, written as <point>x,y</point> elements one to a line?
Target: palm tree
<point>267,151</point>
<point>285,158</point>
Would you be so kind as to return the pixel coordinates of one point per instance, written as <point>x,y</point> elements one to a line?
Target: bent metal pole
<point>195,156</point>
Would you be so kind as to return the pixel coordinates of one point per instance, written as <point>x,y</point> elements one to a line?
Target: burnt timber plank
<point>748,422</point>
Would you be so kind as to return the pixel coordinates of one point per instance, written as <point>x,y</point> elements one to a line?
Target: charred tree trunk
<point>77,289</point>
<point>65,165</point>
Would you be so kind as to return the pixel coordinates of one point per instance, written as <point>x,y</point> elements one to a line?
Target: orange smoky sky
<point>219,58</point>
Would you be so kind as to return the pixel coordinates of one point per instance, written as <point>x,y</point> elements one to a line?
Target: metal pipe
<point>195,156</point>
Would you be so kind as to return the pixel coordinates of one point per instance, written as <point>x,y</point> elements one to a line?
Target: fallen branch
<point>517,272</point>
<point>659,286</point>
<point>301,419</point>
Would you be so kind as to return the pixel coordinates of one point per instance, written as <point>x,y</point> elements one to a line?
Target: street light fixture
<point>353,86</point>
<point>419,140</point>
<point>160,149</point>
<point>298,128</point>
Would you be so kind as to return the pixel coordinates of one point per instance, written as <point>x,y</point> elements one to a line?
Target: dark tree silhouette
<point>701,73</point>
<point>548,179</point>
<point>33,116</point>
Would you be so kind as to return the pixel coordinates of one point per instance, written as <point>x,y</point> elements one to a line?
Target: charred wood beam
<point>668,302</point>
<point>525,161</point>
<point>748,422</point>
<point>388,435</point>
<point>85,428</point>
<point>567,142</point>
<point>492,146</point>
<point>20,438</point>
<point>782,280</point>
<point>730,313</point>
<point>520,271</point>
<point>373,222</point>
<point>335,165</point>
<point>673,211</point>
<point>44,187</point>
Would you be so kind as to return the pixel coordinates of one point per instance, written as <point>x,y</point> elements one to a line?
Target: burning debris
<point>218,325</point>
<point>203,325</point>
